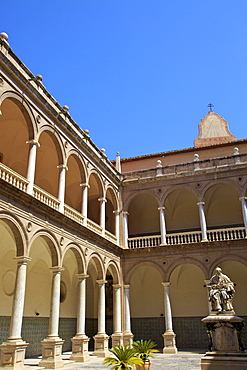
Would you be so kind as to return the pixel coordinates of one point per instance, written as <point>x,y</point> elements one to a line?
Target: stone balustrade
<point>73,214</point>
<point>45,197</point>
<point>13,178</point>
<point>188,237</point>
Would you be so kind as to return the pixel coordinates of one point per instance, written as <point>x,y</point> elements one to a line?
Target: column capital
<point>82,276</point>
<point>166,284</point>
<point>22,259</point>
<point>101,282</point>
<point>161,208</point>
<point>125,213</point>
<point>116,286</point>
<point>126,286</point>
<point>85,185</point>
<point>242,199</point>
<point>63,166</point>
<point>116,212</point>
<point>102,199</point>
<point>33,142</point>
<point>57,269</point>
<point>200,203</point>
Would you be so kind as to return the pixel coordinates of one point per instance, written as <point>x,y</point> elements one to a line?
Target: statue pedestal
<point>225,346</point>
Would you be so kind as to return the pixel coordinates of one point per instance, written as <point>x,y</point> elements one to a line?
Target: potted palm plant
<point>144,349</point>
<point>124,358</point>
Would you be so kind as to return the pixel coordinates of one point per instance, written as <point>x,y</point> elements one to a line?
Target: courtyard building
<point>93,252</point>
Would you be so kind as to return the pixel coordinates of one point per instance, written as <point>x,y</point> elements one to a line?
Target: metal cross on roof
<point>210,106</point>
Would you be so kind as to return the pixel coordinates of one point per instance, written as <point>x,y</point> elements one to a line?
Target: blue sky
<point>138,74</point>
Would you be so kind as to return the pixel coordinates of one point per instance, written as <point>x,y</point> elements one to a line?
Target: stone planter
<point>145,366</point>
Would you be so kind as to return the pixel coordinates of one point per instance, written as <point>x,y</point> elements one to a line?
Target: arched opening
<point>74,178</point>
<point>16,130</point>
<point>143,216</point>
<point>147,318</point>
<point>48,160</point>
<point>111,205</point>
<point>189,302</point>
<point>181,211</point>
<point>94,193</point>
<point>222,207</point>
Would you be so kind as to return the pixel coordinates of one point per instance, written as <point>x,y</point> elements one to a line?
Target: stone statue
<point>221,291</point>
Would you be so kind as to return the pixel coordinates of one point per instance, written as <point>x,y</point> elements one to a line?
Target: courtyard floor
<point>184,360</point>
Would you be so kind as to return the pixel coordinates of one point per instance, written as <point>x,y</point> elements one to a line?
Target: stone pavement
<point>184,360</point>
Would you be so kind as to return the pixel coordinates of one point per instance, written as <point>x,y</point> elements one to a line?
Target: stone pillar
<point>162,225</point>
<point>117,215</point>
<point>169,335</point>
<point>102,214</point>
<point>244,211</point>
<point>125,215</point>
<point>61,186</point>
<point>128,336</point>
<point>117,336</point>
<point>118,162</point>
<point>203,221</point>
<point>13,350</point>
<point>84,202</point>
<point>31,164</point>
<point>101,339</point>
<point>80,341</point>
<point>52,345</point>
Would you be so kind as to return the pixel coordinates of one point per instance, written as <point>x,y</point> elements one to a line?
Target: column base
<point>101,345</point>
<point>169,342</point>
<point>52,353</point>
<point>80,349</point>
<point>12,354</point>
<point>224,361</point>
<point>117,339</point>
<point>128,339</point>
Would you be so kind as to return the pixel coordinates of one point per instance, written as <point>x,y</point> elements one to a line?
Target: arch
<point>114,270</point>
<point>52,244</point>
<point>49,157</point>
<point>218,182</point>
<point>143,215</point>
<point>181,187</point>
<point>186,260</point>
<point>81,161</point>
<point>96,260</point>
<point>53,132</point>
<point>111,206</point>
<point>129,199</point>
<point>222,205</point>
<point>129,274</point>
<point>228,257</point>
<point>75,176</point>
<point>17,129</point>
<point>95,192</point>
<point>181,210</point>
<point>80,259</point>
<point>18,232</point>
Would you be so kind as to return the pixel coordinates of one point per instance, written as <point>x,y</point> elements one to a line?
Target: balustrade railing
<point>109,236</point>
<point>13,178</point>
<point>45,197</point>
<point>188,237</point>
<point>94,227</point>
<point>73,214</point>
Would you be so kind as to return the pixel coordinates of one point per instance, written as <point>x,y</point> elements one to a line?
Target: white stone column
<point>203,221</point>
<point>117,336</point>
<point>117,216</point>
<point>128,336</point>
<point>209,303</point>
<point>52,345</point>
<point>169,336</point>
<point>31,164</point>
<point>244,211</point>
<point>125,220</point>
<point>12,352</point>
<point>102,214</point>
<point>101,339</point>
<point>61,186</point>
<point>85,188</point>
<point>162,225</point>
<point>80,341</point>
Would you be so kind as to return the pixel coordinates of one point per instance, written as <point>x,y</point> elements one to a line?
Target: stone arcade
<point>87,245</point>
